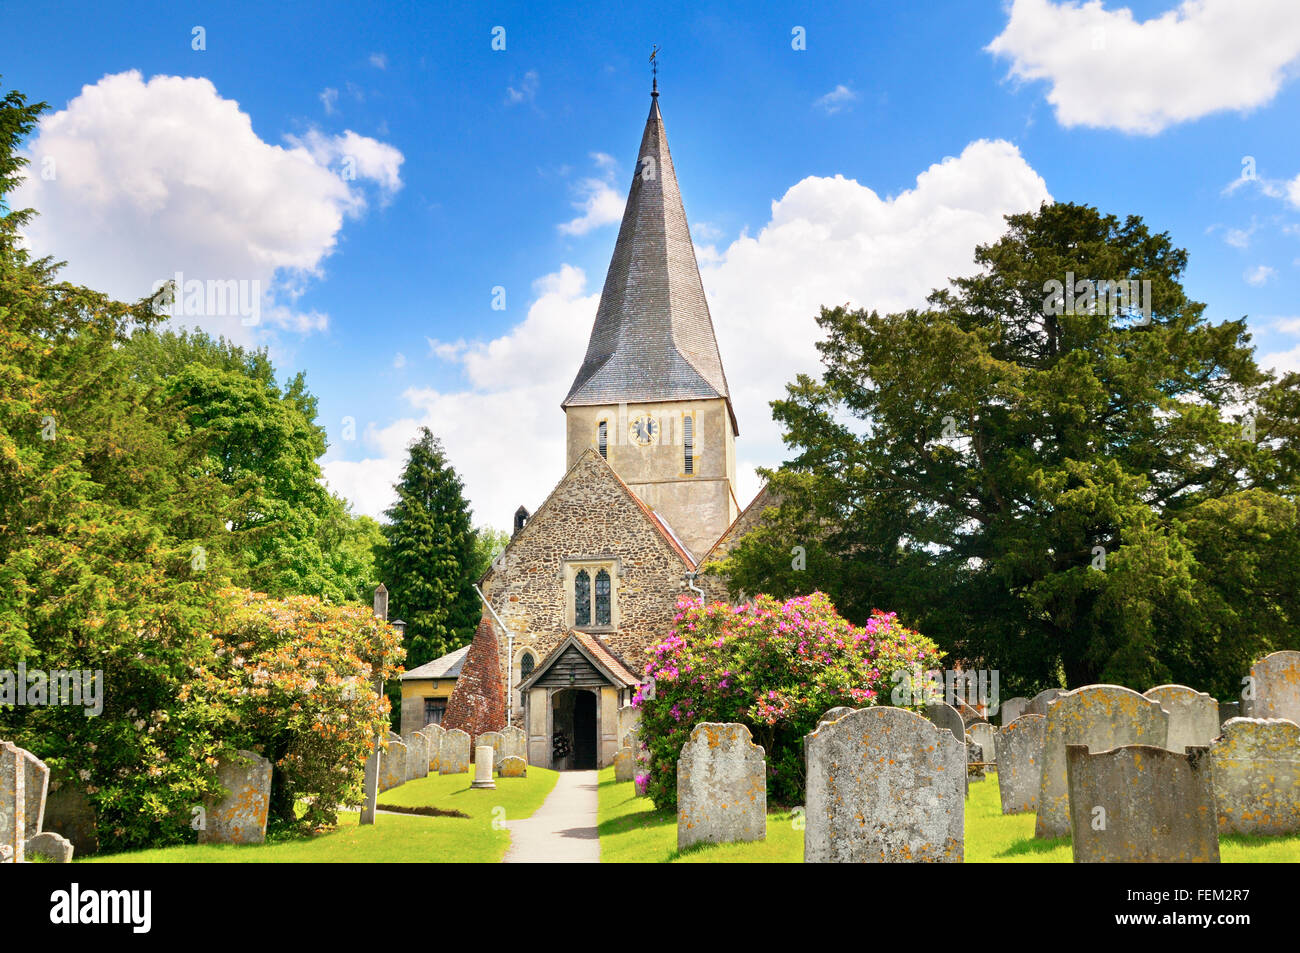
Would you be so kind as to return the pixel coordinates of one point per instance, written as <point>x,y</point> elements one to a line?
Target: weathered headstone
<point>240,816</point>
<point>885,785</point>
<point>491,739</point>
<point>417,755</point>
<point>1101,717</point>
<point>392,765</point>
<point>835,714</point>
<point>974,760</point>
<point>629,719</point>
<point>455,752</point>
<point>982,733</point>
<point>434,734</point>
<point>1038,704</point>
<point>721,786</point>
<point>945,716</point>
<point>1276,682</point>
<point>969,713</point>
<point>1019,748</point>
<point>514,743</point>
<point>512,766</point>
<point>24,780</point>
<point>51,847</point>
<point>1257,776</point>
<point>484,758</point>
<point>68,811</point>
<point>1141,804</point>
<point>1012,708</point>
<point>1193,715</point>
<point>624,764</point>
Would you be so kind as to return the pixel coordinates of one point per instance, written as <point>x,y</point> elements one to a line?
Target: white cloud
<point>1282,362</point>
<point>600,205</point>
<point>830,240</point>
<point>175,173</point>
<point>1108,70</point>
<point>837,99</point>
<point>604,161</point>
<point>329,98</point>
<point>526,92</point>
<point>1259,275</point>
<point>379,60</point>
<point>399,360</point>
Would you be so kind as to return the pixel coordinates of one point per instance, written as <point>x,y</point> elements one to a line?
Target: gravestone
<point>974,760</point>
<point>1193,715</point>
<point>629,719</point>
<point>1141,804</point>
<point>1276,680</point>
<point>1228,711</point>
<point>1019,749</point>
<point>721,787</point>
<point>982,733</point>
<point>624,764</point>
<point>513,766</point>
<point>1012,708</point>
<point>969,714</point>
<point>68,812</point>
<point>240,816</point>
<point>434,735</point>
<point>885,785</point>
<point>392,765</point>
<point>514,744</point>
<point>51,847</point>
<point>417,755</point>
<point>484,758</point>
<point>1038,704</point>
<point>1101,717</point>
<point>835,714</point>
<point>945,716</point>
<point>1257,776</point>
<point>489,739</point>
<point>455,752</point>
<point>24,780</point>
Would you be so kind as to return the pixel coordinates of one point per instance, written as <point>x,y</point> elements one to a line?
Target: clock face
<point>644,430</point>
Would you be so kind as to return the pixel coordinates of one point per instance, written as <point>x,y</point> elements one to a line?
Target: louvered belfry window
<point>582,598</point>
<point>688,438</point>
<point>602,598</point>
<point>603,441</point>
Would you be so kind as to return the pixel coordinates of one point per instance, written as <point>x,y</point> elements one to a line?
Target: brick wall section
<point>478,703</point>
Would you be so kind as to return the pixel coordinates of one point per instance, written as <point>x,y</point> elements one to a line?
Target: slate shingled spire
<point>653,338</point>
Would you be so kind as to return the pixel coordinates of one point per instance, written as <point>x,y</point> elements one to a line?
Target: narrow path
<point>563,829</point>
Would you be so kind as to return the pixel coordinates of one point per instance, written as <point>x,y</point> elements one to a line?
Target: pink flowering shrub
<point>774,667</point>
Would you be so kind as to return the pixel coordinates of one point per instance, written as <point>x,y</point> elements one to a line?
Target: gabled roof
<point>653,338</point>
<point>595,652</point>
<point>448,666</point>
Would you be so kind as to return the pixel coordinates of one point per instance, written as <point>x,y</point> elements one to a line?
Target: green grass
<point>394,838</point>
<point>632,831</point>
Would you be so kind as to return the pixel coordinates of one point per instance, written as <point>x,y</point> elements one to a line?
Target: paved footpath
<point>563,829</point>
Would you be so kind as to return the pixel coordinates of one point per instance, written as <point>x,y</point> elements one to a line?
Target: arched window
<point>688,438</point>
<point>526,663</point>
<point>582,598</point>
<point>602,598</point>
<point>603,440</point>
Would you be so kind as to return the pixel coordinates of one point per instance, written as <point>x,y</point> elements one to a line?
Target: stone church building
<point>591,579</point>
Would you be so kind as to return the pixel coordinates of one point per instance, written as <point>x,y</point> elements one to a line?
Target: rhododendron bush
<point>775,667</point>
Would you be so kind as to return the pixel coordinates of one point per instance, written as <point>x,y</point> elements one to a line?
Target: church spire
<point>653,338</point>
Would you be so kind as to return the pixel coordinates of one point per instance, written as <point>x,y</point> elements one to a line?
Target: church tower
<point>651,396</point>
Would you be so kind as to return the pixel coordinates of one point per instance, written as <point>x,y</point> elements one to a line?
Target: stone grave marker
<point>885,785</point>
<point>1038,704</point>
<point>1012,708</point>
<point>434,735</point>
<point>1019,748</point>
<point>392,765</point>
<point>454,758</point>
<point>1256,765</point>
<point>1193,715</point>
<point>491,739</point>
<point>624,764</point>
<point>513,766</point>
<point>1228,711</point>
<point>417,755</point>
<point>721,786</point>
<point>982,733</point>
<point>945,716</point>
<point>24,781</point>
<point>240,816</point>
<point>484,758</point>
<point>1276,680</point>
<point>1141,804</point>
<point>835,714</point>
<point>514,743</point>
<point>51,847</point>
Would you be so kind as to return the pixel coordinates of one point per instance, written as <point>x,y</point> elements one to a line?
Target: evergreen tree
<point>429,557</point>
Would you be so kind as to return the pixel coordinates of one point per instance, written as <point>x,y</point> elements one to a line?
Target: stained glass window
<point>582,598</point>
<point>602,598</point>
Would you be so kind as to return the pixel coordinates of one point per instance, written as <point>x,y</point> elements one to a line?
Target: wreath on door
<point>560,746</point>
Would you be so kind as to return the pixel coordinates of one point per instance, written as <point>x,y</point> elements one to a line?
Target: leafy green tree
<point>429,560</point>
<point>1068,494</point>
<point>489,543</point>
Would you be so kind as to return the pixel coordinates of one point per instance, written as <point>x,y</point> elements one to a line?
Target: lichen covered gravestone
<point>1101,717</point>
<point>1276,682</point>
<point>945,716</point>
<point>417,755</point>
<point>1193,715</point>
<point>982,733</point>
<point>1257,776</point>
<point>455,752</point>
<point>434,735</point>
<point>835,714</point>
<point>24,780</point>
<point>514,744</point>
<point>489,739</point>
<point>885,785</point>
<point>721,786</point>
<point>512,766</point>
<point>1012,708</point>
<point>1020,763</point>
<point>624,764</point>
<point>240,816</point>
<point>1038,704</point>
<point>1141,804</point>
<point>392,765</point>
<point>51,847</point>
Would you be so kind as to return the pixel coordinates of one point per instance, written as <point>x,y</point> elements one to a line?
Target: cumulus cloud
<point>379,60</point>
<point>829,241</point>
<point>1109,70</point>
<point>599,204</point>
<point>837,99</point>
<point>1259,275</point>
<point>175,173</point>
<point>525,92</point>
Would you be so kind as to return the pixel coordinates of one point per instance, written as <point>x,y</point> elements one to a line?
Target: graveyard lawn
<point>394,838</point>
<point>632,831</point>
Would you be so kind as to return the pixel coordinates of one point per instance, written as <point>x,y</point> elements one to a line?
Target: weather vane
<point>654,69</point>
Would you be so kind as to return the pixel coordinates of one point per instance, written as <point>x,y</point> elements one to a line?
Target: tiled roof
<point>606,658</point>
<point>653,338</point>
<point>448,666</point>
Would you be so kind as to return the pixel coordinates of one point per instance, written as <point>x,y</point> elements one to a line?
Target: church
<point>591,579</point>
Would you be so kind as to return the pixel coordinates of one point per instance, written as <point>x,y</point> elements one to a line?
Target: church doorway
<point>574,744</point>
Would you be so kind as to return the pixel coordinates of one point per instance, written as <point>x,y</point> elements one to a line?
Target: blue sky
<point>379,170</point>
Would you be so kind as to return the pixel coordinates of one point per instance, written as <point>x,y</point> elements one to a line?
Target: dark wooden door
<point>584,730</point>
